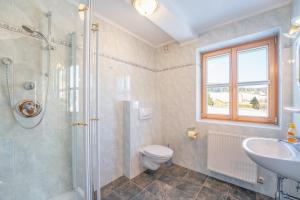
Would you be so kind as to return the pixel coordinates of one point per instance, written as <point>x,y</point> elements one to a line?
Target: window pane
<point>253,65</point>
<point>218,100</point>
<point>253,101</point>
<point>218,69</point>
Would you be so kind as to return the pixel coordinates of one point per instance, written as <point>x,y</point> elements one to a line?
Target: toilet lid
<point>158,151</point>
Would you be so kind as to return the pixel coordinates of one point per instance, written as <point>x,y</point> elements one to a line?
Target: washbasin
<point>277,156</point>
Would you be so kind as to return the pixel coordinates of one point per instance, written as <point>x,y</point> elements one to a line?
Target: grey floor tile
<point>164,191</point>
<point>156,174</point>
<point>127,191</point>
<point>159,189</point>
<point>175,183</point>
<point>170,180</point>
<point>145,195</point>
<point>107,189</point>
<point>111,196</point>
<point>211,194</point>
<point>176,194</point>
<point>176,171</point>
<point>190,189</point>
<point>230,197</point>
<point>195,178</point>
<point>217,185</point>
<point>180,183</point>
<point>143,180</point>
<point>263,197</point>
<point>242,194</point>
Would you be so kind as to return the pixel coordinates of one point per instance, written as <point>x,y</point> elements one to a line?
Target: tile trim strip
<point>144,67</point>
<point>15,29</point>
<point>127,62</point>
<point>176,67</point>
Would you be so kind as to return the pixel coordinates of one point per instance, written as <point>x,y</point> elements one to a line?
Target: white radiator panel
<point>225,155</point>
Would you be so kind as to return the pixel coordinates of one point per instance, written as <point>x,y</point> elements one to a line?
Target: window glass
<point>252,65</point>
<point>218,100</point>
<point>218,69</point>
<point>253,101</point>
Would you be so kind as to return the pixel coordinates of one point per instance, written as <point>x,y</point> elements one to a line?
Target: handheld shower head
<point>6,61</point>
<point>31,31</point>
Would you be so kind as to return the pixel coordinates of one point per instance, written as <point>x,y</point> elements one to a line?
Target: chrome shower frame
<point>87,115</point>
<point>95,120</point>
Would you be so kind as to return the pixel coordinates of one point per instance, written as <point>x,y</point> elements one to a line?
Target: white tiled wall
<point>177,86</point>
<point>132,70</point>
<point>171,88</point>
<point>127,68</point>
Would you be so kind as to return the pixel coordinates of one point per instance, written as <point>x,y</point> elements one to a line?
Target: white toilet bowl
<point>154,155</point>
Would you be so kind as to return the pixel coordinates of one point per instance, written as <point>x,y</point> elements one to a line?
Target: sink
<point>277,156</point>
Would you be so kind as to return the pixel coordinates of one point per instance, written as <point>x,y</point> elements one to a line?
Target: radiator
<point>225,155</point>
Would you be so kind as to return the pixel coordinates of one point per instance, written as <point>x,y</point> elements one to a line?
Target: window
<point>240,83</point>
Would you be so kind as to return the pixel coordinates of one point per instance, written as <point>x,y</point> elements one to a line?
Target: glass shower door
<point>77,117</point>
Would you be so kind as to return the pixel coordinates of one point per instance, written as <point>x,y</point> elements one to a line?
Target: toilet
<point>154,155</point>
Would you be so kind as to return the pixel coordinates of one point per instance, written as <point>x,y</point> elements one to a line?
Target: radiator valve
<point>260,180</point>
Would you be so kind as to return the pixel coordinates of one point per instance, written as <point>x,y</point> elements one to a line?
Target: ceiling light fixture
<point>145,7</point>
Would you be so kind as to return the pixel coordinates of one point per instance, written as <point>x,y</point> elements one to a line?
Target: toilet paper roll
<point>192,134</point>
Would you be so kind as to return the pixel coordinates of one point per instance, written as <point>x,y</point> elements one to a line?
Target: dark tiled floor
<point>175,183</point>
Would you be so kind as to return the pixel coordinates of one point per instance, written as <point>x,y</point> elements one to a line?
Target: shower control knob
<point>29,85</point>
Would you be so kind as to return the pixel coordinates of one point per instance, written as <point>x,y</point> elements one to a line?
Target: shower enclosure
<point>49,112</point>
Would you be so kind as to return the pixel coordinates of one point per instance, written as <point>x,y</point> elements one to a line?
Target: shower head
<point>27,29</point>
<point>31,31</point>
<point>6,61</point>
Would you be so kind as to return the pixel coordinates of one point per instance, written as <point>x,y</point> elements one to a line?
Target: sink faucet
<point>295,145</point>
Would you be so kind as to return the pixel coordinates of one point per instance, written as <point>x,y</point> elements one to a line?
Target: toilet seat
<point>158,151</point>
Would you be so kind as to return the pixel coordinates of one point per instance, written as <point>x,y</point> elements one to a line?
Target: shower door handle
<point>79,124</point>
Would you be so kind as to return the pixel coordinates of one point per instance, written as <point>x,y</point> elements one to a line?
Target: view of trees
<point>250,100</point>
<point>255,103</point>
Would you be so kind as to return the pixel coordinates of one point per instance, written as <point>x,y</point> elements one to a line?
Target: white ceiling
<point>121,13</point>
<point>179,20</point>
<point>202,15</point>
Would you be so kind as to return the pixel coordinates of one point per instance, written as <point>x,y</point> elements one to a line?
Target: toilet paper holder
<point>192,133</point>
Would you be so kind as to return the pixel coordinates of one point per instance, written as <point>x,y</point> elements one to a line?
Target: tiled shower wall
<point>35,163</point>
<point>177,86</point>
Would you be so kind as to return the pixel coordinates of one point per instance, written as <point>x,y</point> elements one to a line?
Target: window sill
<point>242,124</point>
